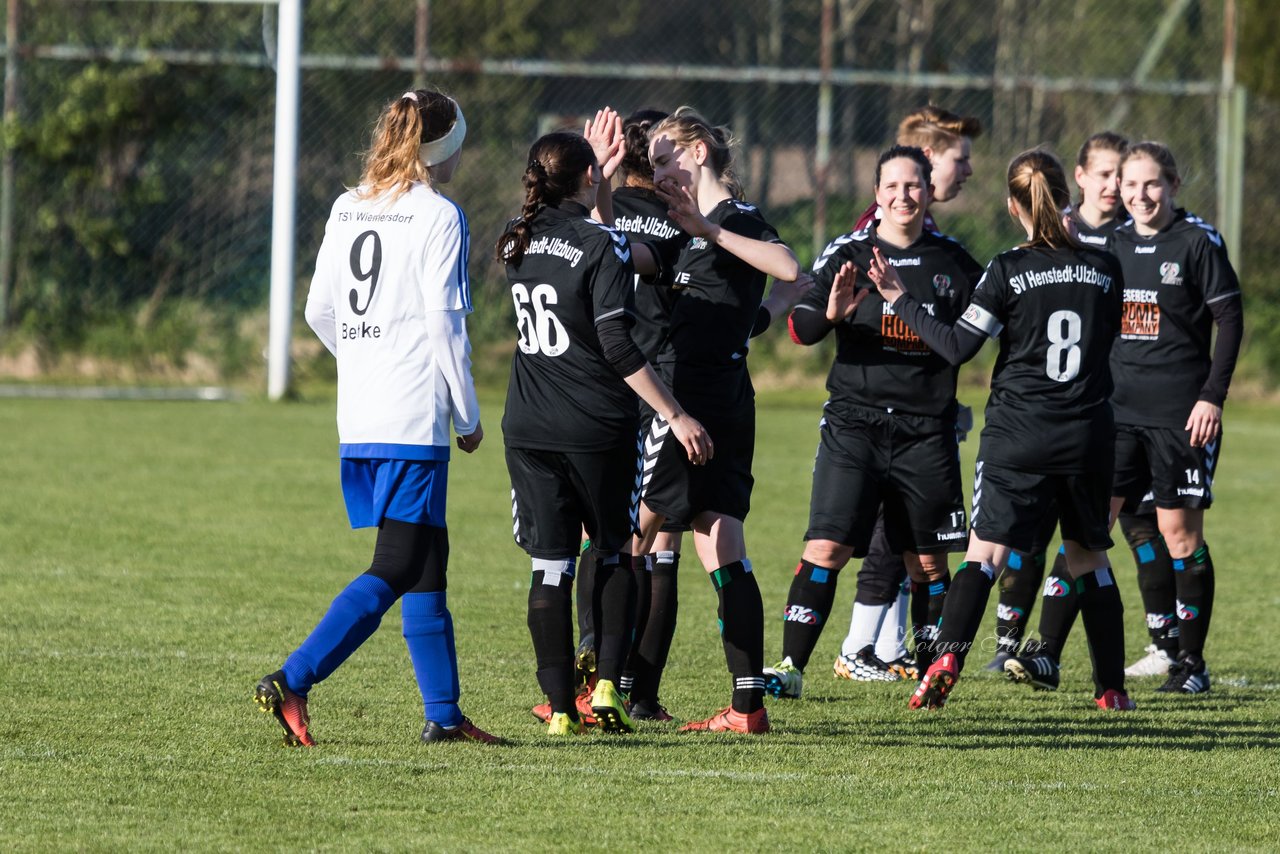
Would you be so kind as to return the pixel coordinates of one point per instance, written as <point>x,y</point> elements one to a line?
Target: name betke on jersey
<point>1022,282</point>
<point>557,247</point>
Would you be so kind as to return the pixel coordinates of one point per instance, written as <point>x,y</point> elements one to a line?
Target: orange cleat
<point>727,720</point>
<point>272,695</point>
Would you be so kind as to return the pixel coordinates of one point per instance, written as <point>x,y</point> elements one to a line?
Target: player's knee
<point>827,553</point>
<point>1138,529</point>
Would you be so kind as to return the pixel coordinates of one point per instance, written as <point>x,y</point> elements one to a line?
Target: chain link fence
<point>140,133</point>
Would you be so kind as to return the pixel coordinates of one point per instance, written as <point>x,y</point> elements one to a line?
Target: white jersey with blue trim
<point>389,299</point>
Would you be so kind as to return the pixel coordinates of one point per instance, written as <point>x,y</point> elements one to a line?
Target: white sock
<point>890,644</point>
<point>864,625</point>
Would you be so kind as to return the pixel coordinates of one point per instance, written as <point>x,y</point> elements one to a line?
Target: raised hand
<point>845,297</point>
<point>604,132</point>
<point>886,278</point>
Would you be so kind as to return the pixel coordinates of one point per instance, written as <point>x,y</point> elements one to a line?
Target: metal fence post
<point>284,184</point>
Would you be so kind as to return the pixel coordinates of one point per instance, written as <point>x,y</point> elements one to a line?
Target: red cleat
<point>1115,701</point>
<point>465,731</point>
<point>542,711</point>
<point>272,695</point>
<point>727,720</point>
<point>937,683</point>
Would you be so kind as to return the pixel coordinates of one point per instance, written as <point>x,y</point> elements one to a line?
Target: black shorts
<point>1010,506</point>
<point>1161,461</point>
<point>555,494</point>
<point>677,489</point>
<point>908,463</point>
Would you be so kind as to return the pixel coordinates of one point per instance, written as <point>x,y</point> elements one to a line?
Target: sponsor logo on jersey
<point>698,243</point>
<point>555,247</point>
<point>1008,612</point>
<point>942,285</point>
<point>905,262</point>
<point>1140,317</point>
<point>1092,239</point>
<point>1144,250</point>
<point>1193,491</point>
<point>1170,273</point>
<point>802,615</point>
<point>896,335</point>
<point>948,536</point>
<point>1069,274</point>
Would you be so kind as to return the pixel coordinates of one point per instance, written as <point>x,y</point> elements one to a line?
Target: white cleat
<point>1155,663</point>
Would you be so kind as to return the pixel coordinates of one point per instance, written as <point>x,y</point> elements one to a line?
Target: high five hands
<point>604,132</point>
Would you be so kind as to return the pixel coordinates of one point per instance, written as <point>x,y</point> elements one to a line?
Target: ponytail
<point>393,162</point>
<point>1039,186</point>
<point>557,163</point>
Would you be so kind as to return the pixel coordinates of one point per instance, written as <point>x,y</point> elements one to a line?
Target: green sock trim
<point>720,577</point>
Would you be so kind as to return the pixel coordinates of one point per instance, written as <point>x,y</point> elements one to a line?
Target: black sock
<point>1019,588</point>
<point>966,602</point>
<point>1103,615</point>
<point>1155,579</point>
<point>615,608</point>
<point>928,599</point>
<point>1194,576</point>
<point>1058,609</point>
<point>551,627</point>
<point>649,655</point>
<point>742,631</point>
<point>644,586</point>
<point>809,602</point>
<point>586,576</point>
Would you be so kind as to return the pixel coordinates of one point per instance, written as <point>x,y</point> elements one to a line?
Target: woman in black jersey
<point>569,423</point>
<point>1054,304</point>
<point>888,430</point>
<point>720,274</point>
<point>1094,218</point>
<point>1170,389</point>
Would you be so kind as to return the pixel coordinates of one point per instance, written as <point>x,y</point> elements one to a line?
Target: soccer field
<point>156,559</point>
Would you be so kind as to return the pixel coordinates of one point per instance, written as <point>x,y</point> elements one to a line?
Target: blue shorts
<point>405,490</point>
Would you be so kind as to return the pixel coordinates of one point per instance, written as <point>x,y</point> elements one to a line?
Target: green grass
<point>156,559</point>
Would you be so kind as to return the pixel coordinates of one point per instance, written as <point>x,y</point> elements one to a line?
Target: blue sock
<point>351,619</point>
<point>428,632</point>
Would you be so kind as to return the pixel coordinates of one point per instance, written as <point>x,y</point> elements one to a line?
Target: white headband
<point>439,150</point>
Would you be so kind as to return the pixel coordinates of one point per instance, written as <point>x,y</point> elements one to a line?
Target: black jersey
<point>1171,279</point>
<point>642,217</point>
<point>563,394</point>
<point>704,355</point>
<point>1099,237</point>
<point>880,362</point>
<point>1056,313</point>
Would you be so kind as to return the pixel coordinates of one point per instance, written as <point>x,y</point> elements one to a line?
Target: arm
<point>625,358</point>
<point>809,325</point>
<point>1205,421</point>
<point>782,297</point>
<point>956,344</point>
<point>774,259</point>
<point>447,331</point>
<point>319,311</point>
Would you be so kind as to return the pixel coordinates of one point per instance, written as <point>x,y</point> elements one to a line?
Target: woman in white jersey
<point>389,299</point>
